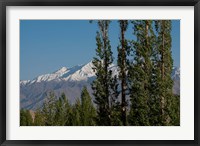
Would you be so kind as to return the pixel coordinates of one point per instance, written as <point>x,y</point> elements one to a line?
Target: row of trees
<point>59,112</point>
<point>145,67</point>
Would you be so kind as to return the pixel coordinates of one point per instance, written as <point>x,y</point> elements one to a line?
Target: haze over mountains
<point>69,81</point>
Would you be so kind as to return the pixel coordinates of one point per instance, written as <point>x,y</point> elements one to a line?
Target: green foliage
<point>83,112</point>
<point>122,62</point>
<point>152,99</point>
<point>55,112</point>
<point>58,112</point>
<point>63,111</point>
<point>116,114</point>
<point>140,73</point>
<point>49,110</point>
<point>76,113</point>
<point>104,84</point>
<point>39,119</point>
<point>88,112</point>
<point>164,64</point>
<point>25,118</point>
<point>175,111</point>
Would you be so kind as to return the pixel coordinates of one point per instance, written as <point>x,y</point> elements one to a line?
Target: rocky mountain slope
<point>69,81</point>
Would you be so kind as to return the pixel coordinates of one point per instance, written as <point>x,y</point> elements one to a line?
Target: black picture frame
<point>5,3</point>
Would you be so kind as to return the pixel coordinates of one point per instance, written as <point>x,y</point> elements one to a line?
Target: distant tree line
<point>59,112</point>
<point>141,94</point>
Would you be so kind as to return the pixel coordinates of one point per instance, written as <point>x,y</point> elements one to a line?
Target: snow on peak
<point>61,71</point>
<point>83,73</point>
<point>53,76</point>
<point>76,73</point>
<point>87,71</point>
<point>24,82</point>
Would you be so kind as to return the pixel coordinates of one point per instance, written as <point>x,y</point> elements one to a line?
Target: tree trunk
<point>106,77</point>
<point>123,81</point>
<point>163,69</point>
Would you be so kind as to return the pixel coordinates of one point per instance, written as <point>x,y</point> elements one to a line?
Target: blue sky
<point>47,45</point>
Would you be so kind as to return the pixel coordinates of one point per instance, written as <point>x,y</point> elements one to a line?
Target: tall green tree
<point>62,116</point>
<point>76,111</point>
<point>103,84</point>
<point>140,73</point>
<point>25,118</point>
<point>165,64</point>
<point>122,62</point>
<point>88,112</point>
<point>49,110</point>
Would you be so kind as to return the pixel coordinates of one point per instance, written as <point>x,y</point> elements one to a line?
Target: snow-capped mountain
<point>75,74</point>
<point>69,81</point>
<point>24,82</point>
<point>49,77</point>
<point>81,74</point>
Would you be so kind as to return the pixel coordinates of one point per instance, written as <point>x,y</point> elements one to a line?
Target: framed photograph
<point>99,72</point>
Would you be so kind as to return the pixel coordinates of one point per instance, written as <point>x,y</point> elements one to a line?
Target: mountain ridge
<point>69,81</point>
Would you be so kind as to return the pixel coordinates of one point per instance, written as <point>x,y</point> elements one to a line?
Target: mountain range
<point>69,81</point>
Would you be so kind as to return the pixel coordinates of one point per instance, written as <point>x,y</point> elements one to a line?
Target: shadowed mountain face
<point>69,81</point>
<point>176,78</point>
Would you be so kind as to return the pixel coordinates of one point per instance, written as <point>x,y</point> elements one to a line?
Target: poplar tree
<point>88,112</point>
<point>122,62</point>
<point>165,64</point>
<point>102,85</point>
<point>140,73</point>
